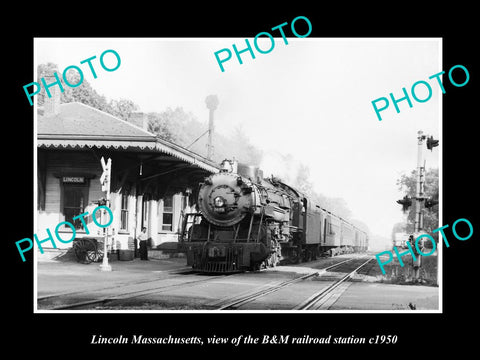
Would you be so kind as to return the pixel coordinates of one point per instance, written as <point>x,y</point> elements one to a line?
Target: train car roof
<point>340,218</point>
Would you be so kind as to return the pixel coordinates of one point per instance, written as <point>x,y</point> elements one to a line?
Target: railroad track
<point>314,302</point>
<point>323,299</point>
<point>237,301</point>
<point>123,296</point>
<point>339,264</point>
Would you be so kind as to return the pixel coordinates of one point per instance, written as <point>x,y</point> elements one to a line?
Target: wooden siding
<point>55,165</point>
<point>66,163</point>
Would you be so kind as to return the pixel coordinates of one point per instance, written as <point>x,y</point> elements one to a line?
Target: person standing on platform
<point>142,239</point>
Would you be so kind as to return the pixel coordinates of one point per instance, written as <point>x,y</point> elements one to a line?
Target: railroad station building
<point>153,182</point>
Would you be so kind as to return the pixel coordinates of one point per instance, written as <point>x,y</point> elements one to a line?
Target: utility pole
<point>212,103</point>
<point>421,201</point>
<point>420,197</point>
<point>420,191</point>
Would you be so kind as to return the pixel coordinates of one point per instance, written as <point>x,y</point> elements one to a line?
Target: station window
<point>75,199</point>
<point>124,213</point>
<point>167,224</point>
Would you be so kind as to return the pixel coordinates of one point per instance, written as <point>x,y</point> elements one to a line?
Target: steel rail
<point>133,294</point>
<point>180,271</point>
<point>251,296</point>
<point>313,300</point>
<point>338,264</point>
<point>244,299</point>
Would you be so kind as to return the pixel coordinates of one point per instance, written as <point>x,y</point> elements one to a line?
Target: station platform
<point>56,277</point>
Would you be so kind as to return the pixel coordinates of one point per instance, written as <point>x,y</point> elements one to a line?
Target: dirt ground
<point>395,273</point>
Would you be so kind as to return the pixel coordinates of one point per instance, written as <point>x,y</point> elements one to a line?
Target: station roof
<point>78,126</point>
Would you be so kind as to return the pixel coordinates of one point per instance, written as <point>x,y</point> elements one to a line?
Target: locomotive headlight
<point>219,201</point>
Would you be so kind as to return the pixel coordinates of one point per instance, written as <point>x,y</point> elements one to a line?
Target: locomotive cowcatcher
<point>246,222</point>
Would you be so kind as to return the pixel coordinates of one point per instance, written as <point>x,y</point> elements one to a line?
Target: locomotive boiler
<point>246,222</point>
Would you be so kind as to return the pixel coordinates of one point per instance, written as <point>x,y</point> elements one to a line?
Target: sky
<point>311,99</point>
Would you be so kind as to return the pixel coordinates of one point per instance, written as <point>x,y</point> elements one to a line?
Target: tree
<point>122,108</point>
<point>183,128</point>
<point>407,184</point>
<point>240,146</point>
<point>45,71</point>
<point>160,125</point>
<point>84,93</point>
<point>296,174</point>
<point>302,181</point>
<point>175,125</point>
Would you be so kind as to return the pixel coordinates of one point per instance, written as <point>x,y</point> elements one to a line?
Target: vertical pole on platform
<point>105,181</point>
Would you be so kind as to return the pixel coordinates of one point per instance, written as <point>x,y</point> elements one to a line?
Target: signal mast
<point>419,197</point>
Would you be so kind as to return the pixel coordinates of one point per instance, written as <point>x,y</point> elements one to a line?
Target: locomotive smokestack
<point>212,103</point>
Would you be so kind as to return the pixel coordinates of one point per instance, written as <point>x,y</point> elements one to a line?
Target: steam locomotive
<point>246,222</point>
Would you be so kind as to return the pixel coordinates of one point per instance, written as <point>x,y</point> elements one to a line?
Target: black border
<point>417,333</point>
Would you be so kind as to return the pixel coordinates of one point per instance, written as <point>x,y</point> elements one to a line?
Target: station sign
<point>73,179</point>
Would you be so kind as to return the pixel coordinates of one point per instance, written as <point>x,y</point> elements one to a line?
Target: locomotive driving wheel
<point>295,254</point>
